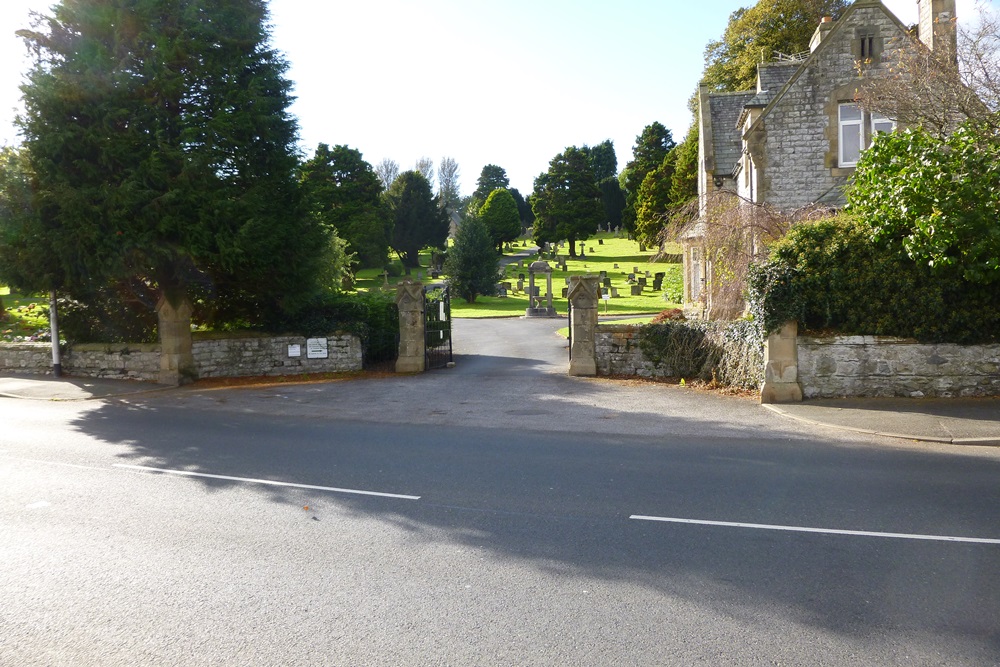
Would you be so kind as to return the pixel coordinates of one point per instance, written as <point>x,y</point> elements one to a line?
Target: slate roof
<point>770,79</point>
<point>726,136</point>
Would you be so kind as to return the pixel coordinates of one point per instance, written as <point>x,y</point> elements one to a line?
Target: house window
<point>867,46</point>
<point>882,123</point>
<point>851,134</point>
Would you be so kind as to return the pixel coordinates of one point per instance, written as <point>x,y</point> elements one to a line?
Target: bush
<point>728,353</point>
<point>372,316</point>
<point>833,275</point>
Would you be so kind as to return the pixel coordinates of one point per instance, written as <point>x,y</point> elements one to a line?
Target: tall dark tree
<point>684,182</point>
<point>753,33</point>
<point>613,201</point>
<point>164,155</point>
<point>566,200</point>
<point>342,191</point>
<point>501,217</point>
<point>651,147</point>
<point>417,220</point>
<point>653,202</point>
<point>472,264</point>
<point>491,178</point>
<point>602,159</point>
<point>523,209</point>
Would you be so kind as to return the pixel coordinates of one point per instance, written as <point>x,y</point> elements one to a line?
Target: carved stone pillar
<point>781,366</point>
<point>176,359</point>
<point>412,340</point>
<point>583,297</point>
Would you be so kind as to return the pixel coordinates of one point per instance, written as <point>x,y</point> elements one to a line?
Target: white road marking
<point>826,531</point>
<point>270,482</point>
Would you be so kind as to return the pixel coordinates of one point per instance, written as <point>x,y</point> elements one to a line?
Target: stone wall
<point>248,355</point>
<point>863,366</point>
<point>214,356</point>
<point>618,353</point>
<point>134,361</point>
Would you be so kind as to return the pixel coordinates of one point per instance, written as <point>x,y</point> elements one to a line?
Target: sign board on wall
<point>316,348</point>
<point>294,350</point>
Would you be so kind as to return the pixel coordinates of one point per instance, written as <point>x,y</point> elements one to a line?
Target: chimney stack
<point>937,27</point>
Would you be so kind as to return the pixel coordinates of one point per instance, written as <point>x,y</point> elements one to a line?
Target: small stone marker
<point>616,266</point>
<point>636,290</point>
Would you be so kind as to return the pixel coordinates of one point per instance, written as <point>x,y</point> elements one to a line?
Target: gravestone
<point>600,241</point>
<point>642,281</point>
<point>606,282</point>
<point>636,290</point>
<point>616,266</point>
<point>565,292</point>
<point>614,293</point>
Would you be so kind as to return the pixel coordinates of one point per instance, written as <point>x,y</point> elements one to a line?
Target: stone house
<point>795,140</point>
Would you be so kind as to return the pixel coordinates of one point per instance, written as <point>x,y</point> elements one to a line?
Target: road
<point>497,513</point>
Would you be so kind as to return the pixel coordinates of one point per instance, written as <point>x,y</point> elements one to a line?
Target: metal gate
<point>437,326</point>
<point>569,321</point>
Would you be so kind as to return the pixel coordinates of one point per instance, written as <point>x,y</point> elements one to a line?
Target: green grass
<point>24,316</point>
<point>599,257</point>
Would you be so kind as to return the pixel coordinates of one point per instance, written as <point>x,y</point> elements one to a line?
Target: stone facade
<point>214,356</point>
<point>860,366</point>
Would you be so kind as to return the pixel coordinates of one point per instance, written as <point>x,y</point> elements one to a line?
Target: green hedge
<point>728,353</point>
<point>832,275</point>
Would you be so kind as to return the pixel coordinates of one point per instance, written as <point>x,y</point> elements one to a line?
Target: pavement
<point>958,421</point>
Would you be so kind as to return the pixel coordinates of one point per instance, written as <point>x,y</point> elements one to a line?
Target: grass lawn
<point>616,256</point>
<point>24,317</point>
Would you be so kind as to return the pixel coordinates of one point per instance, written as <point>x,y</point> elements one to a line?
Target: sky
<point>511,84</point>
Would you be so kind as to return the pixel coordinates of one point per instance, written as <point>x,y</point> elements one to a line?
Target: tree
<point>523,209</point>
<point>387,171</point>
<point>613,201</point>
<point>939,89</point>
<point>651,147</point>
<point>653,201</point>
<point>425,166</point>
<point>491,178</point>
<point>602,159</point>
<point>472,264</point>
<point>163,156</point>
<point>684,182</point>
<point>343,192</point>
<point>501,217</point>
<point>759,32</point>
<point>937,199</point>
<point>417,220</point>
<point>566,200</point>
<point>448,190</point>
<point>24,264</point>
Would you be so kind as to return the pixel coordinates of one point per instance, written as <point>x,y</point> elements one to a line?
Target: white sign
<point>294,350</point>
<point>606,296</point>
<point>316,348</point>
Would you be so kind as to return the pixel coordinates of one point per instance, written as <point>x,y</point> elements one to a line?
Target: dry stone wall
<point>239,356</point>
<point>861,366</point>
<point>618,353</point>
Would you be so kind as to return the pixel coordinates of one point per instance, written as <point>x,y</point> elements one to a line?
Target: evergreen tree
<point>654,200</point>
<point>613,201</point>
<point>602,159</point>
<point>651,147</point>
<point>491,178</point>
<point>472,264</point>
<point>566,200</point>
<point>523,209</point>
<point>417,220</point>
<point>163,155</point>
<point>343,192</point>
<point>501,217</point>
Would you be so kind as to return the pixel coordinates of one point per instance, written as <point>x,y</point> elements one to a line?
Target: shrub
<point>832,275</point>
<point>729,353</point>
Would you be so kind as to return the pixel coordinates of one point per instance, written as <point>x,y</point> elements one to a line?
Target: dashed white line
<point>269,482</point>
<point>826,531</point>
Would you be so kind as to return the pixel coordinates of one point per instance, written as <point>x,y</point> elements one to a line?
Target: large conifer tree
<point>163,153</point>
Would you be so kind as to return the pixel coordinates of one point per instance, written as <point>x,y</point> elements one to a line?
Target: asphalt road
<point>488,514</point>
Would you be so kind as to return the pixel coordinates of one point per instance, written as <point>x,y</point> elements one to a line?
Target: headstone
<point>506,285</point>
<point>520,285</point>
<point>600,241</point>
<point>616,266</point>
<point>501,291</point>
<point>659,274</point>
<point>630,278</point>
<point>607,282</point>
<point>642,281</point>
<point>614,292</point>
<point>435,274</point>
<point>590,250</point>
<point>657,284</point>
<point>565,292</point>
<point>636,290</point>
<point>520,277</point>
<point>647,274</point>
<point>635,269</point>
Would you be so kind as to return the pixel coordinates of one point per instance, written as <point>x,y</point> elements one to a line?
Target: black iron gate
<point>437,326</point>
<point>569,321</point>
